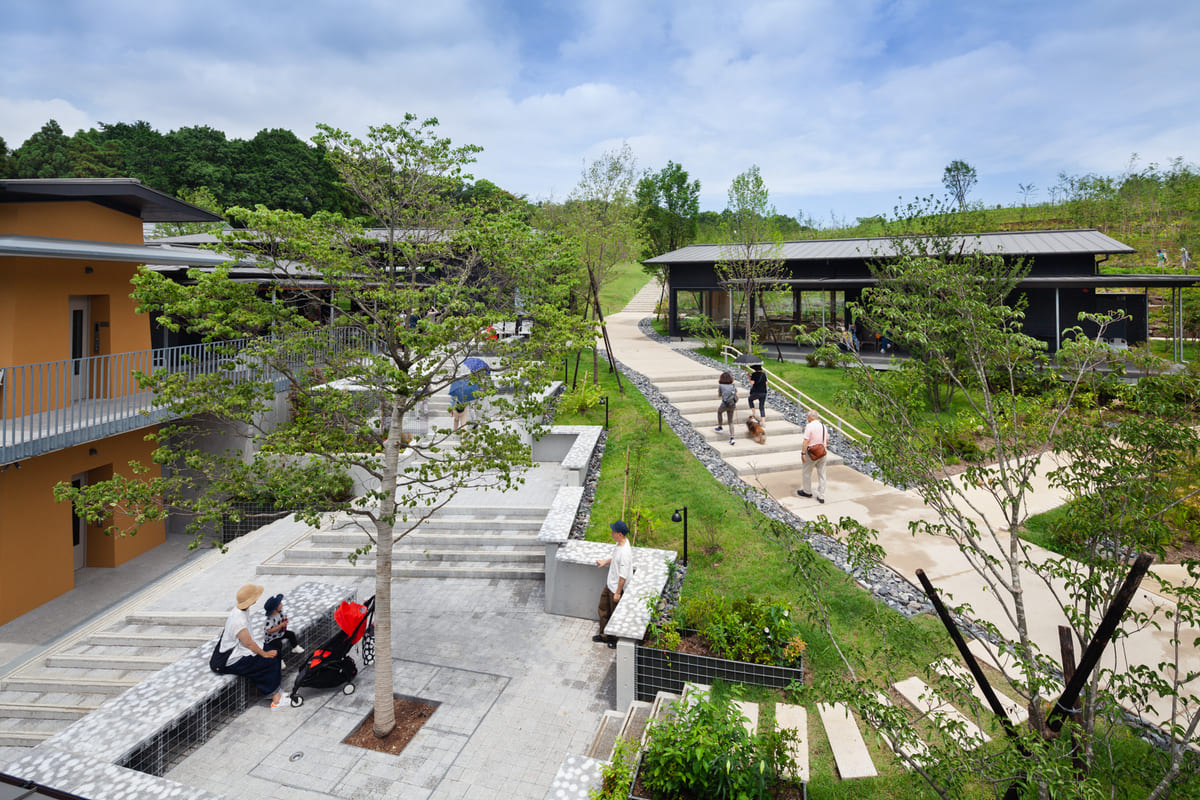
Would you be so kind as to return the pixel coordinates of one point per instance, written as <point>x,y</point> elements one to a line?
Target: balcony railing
<point>57,404</point>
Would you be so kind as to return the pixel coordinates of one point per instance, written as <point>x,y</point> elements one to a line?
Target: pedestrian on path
<point>758,390</point>
<point>727,398</point>
<point>240,655</point>
<point>814,453</point>
<point>620,570</point>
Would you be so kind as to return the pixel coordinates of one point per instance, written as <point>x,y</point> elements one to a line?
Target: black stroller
<point>330,664</point>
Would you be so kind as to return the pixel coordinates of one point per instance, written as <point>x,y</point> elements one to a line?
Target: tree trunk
<point>385,709</point>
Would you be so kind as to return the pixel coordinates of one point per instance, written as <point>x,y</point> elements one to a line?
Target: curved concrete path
<point>891,511</point>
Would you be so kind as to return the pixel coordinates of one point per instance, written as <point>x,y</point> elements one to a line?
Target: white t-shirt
<point>239,619</point>
<point>621,566</point>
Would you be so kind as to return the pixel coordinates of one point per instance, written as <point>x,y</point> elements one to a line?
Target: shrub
<point>584,397</point>
<point>745,629</point>
<point>705,751</point>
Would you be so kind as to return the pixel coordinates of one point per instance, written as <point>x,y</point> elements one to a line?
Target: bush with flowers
<point>752,629</point>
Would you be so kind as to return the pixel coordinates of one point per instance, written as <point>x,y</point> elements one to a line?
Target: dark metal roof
<point>126,195</point>
<point>1131,281</point>
<point>1011,243</point>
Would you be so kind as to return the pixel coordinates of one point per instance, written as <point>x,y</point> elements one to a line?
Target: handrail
<point>56,404</point>
<point>804,401</point>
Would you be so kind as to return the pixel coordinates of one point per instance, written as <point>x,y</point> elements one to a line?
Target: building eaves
<point>126,195</point>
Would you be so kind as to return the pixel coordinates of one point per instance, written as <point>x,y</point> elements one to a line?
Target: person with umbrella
<point>464,390</point>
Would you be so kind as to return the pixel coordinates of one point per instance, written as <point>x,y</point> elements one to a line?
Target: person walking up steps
<point>758,390</point>
<point>727,396</point>
<point>813,453</point>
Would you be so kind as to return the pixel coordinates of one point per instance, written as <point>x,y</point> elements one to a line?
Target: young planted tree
<point>751,260</point>
<point>600,217</point>
<point>358,326</point>
<point>959,178</point>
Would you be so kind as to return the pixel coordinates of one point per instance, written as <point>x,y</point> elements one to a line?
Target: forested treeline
<point>200,164</point>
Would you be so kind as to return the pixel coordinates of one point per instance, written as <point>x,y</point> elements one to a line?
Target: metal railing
<point>804,402</point>
<point>56,404</point>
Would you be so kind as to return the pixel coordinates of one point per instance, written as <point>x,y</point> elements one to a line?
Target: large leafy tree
<point>751,260</point>
<point>358,351</point>
<point>668,205</point>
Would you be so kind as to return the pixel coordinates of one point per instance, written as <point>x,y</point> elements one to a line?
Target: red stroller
<point>330,664</point>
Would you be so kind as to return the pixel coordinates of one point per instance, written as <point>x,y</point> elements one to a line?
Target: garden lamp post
<point>676,518</point>
<point>604,402</point>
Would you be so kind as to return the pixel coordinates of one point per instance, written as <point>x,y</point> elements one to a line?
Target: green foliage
<point>617,774</point>
<point>45,154</point>
<point>752,629</point>
<point>705,751</point>
<point>667,205</point>
<point>584,397</point>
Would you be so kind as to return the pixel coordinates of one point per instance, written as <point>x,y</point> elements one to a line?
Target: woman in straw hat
<point>245,656</point>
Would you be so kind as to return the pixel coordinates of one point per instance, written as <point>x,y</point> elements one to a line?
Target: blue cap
<point>620,527</point>
<point>273,603</point>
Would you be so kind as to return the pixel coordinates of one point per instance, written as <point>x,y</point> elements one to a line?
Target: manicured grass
<point>627,278</point>
<point>1162,348</point>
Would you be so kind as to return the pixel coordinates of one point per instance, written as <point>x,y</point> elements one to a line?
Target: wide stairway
<point>46,694</point>
<point>476,541</point>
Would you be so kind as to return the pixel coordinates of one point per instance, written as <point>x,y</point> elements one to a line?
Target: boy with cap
<point>620,570</point>
<point>275,631</point>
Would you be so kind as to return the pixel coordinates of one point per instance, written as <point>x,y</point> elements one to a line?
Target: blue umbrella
<point>463,391</point>
<point>476,364</point>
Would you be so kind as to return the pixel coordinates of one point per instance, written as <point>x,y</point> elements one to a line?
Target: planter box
<point>664,671</point>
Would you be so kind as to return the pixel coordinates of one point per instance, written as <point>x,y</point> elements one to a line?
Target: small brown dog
<point>757,432</point>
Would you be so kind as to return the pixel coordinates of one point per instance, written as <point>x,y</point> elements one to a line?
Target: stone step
<point>448,538</point>
<point>492,512</point>
<point>775,462</point>
<point>23,739</point>
<point>850,752</point>
<point>1015,711</point>
<point>42,711</point>
<point>106,661</point>
<point>482,523</point>
<point>193,619</point>
<point>795,718</point>
<point>533,553</point>
<point>605,738</point>
<point>749,712</point>
<point>920,696</point>
<point>44,683</point>
<point>636,717</point>
<point>789,443</point>
<point>164,639</point>
<point>916,750</point>
<point>487,572</point>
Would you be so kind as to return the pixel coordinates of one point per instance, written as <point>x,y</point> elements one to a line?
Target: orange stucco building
<point>70,336</point>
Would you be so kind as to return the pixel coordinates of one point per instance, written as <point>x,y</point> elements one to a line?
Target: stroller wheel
<point>348,688</point>
<point>297,701</point>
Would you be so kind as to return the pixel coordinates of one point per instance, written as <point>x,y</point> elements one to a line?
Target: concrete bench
<point>141,733</point>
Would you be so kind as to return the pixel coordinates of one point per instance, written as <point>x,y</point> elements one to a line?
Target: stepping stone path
<point>846,741</point>
<point>921,697</point>
<point>1016,712</point>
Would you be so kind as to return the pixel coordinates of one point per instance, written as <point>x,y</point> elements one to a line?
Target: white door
<point>79,527</point>
<point>80,308</point>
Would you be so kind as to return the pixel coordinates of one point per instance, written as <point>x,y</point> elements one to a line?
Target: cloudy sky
<point>846,106</point>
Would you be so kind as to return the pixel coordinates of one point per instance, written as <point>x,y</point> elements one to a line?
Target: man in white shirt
<point>620,570</point>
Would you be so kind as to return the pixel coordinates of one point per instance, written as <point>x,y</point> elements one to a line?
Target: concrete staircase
<point>47,693</point>
<point>696,400</point>
<point>455,542</point>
